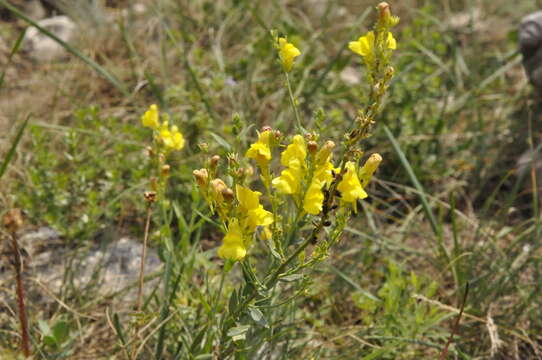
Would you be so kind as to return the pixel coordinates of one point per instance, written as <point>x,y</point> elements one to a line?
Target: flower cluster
<point>306,177</point>
<point>240,212</point>
<point>169,136</point>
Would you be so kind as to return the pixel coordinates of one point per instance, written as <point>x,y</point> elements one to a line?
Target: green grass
<point>447,208</point>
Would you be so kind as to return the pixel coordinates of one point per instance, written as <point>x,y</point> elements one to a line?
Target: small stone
<point>44,49</point>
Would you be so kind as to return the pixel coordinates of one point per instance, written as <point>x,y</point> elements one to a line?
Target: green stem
<point>294,105</point>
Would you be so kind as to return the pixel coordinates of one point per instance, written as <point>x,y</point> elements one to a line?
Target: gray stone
<point>44,49</point>
<point>530,45</point>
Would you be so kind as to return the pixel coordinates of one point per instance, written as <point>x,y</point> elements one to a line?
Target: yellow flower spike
<point>233,247</point>
<point>151,118</point>
<point>314,198</point>
<point>261,150</point>
<point>288,52</point>
<point>350,186</point>
<point>368,169</point>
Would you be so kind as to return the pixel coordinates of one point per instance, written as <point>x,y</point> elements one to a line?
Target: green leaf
<point>257,316</point>
<point>220,140</point>
<point>291,278</point>
<point>239,332</point>
<point>61,331</point>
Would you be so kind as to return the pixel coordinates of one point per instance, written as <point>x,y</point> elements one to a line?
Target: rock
<point>530,45</point>
<point>44,49</point>
<point>107,267</point>
<point>35,10</point>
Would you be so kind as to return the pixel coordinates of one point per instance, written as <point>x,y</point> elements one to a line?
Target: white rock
<point>44,49</point>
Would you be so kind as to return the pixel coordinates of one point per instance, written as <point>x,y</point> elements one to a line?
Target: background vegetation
<point>459,112</point>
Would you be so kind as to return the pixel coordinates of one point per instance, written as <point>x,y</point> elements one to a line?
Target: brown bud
<point>240,172</point>
<point>203,147</point>
<point>150,151</point>
<point>150,196</point>
<point>312,146</point>
<point>278,134</point>
<point>384,10</point>
<point>13,220</point>
<point>165,170</point>
<point>267,128</point>
<point>201,176</point>
<point>227,194</point>
<point>214,161</point>
<point>162,158</point>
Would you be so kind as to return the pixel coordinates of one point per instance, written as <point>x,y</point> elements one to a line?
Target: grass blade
<point>14,49</point>
<point>11,151</point>
<point>69,48</point>
<point>421,192</point>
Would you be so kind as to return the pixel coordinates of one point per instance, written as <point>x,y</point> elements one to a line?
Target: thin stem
<point>294,105</point>
<point>143,258</point>
<point>20,297</point>
<point>13,221</point>
<point>141,276</point>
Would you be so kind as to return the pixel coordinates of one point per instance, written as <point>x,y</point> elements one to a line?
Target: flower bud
<point>150,196</point>
<point>312,146</point>
<point>201,176</point>
<point>227,194</point>
<point>369,168</point>
<point>165,170</point>
<point>204,147</point>
<point>217,187</point>
<point>384,10</point>
<point>325,152</point>
<point>150,151</point>
<point>214,161</point>
<point>267,128</point>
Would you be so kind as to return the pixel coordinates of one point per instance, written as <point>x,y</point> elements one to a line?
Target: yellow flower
<point>365,44</point>
<point>368,169</point>
<point>293,158</point>
<point>296,151</point>
<point>350,186</point>
<point>314,198</point>
<point>249,206</point>
<point>289,180</point>
<point>260,150</point>
<point>172,138</point>
<point>150,118</point>
<point>288,52</point>
<point>233,247</point>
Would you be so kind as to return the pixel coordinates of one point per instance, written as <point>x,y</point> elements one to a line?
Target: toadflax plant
<point>281,204</point>
<point>305,201</point>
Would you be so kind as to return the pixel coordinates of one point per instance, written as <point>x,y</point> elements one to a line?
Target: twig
<point>150,199</point>
<point>13,220</point>
<point>456,325</point>
<point>143,258</point>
